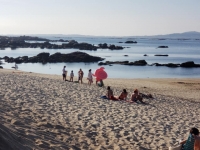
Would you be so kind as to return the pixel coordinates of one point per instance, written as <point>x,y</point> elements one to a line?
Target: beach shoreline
<point>43,112</point>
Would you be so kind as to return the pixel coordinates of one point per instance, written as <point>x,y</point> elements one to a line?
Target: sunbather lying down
<point>148,96</point>
<point>136,96</point>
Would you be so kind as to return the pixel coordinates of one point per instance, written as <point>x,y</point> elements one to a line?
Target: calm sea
<point>179,51</point>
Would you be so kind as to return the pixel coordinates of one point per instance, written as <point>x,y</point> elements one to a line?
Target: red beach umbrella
<point>100,74</point>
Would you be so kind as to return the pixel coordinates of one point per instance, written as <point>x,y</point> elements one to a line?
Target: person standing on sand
<point>90,78</point>
<point>80,76</point>
<point>71,76</point>
<point>16,67</point>
<point>64,73</point>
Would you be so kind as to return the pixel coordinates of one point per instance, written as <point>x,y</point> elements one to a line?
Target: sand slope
<point>43,112</point>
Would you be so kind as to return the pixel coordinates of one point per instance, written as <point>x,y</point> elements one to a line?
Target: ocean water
<point>179,51</point>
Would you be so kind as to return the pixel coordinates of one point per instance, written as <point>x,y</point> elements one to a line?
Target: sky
<point>99,17</point>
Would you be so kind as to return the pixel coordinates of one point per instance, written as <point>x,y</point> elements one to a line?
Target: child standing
<point>71,76</point>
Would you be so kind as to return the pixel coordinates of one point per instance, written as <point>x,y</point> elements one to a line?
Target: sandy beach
<point>41,111</point>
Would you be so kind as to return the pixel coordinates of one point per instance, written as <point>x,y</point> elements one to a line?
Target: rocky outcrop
<point>189,64</point>
<point>145,55</point>
<point>130,42</point>
<point>161,55</point>
<point>111,47</point>
<point>21,42</point>
<point>1,67</point>
<point>54,58</point>
<point>167,65</point>
<point>162,46</point>
<point>136,63</point>
<point>144,63</point>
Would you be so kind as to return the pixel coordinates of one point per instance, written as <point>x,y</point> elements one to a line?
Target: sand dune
<point>43,112</point>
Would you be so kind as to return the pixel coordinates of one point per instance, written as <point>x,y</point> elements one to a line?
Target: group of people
<point>80,76</point>
<point>135,96</point>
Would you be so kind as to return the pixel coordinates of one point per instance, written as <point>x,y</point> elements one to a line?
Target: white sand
<point>42,112</point>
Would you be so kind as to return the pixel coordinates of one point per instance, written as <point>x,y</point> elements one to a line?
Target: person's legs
<point>65,77</point>
<point>90,81</point>
<point>81,79</point>
<point>140,99</point>
<point>113,98</point>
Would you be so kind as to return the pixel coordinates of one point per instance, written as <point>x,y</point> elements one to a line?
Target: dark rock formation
<point>126,55</point>
<point>61,40</point>
<point>130,42</point>
<point>189,64</point>
<point>1,67</point>
<point>167,65</point>
<point>143,63</point>
<point>54,58</point>
<point>172,65</point>
<point>21,42</point>
<point>162,46</point>
<point>145,55</point>
<point>111,47</point>
<point>161,55</point>
<point>120,42</point>
<point>136,63</point>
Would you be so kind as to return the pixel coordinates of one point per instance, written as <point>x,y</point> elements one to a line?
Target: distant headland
<point>22,42</point>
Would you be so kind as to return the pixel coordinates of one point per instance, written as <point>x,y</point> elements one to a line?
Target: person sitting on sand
<point>192,143</point>
<point>136,96</point>
<point>147,96</point>
<point>123,95</point>
<point>109,94</point>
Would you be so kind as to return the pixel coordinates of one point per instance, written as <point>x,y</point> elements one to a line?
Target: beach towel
<point>104,97</point>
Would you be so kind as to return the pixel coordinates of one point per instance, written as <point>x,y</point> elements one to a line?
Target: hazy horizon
<point>99,18</point>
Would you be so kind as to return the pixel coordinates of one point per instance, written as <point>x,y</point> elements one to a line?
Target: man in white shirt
<point>64,73</point>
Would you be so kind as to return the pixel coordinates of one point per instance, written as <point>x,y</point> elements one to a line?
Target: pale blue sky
<point>99,17</point>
